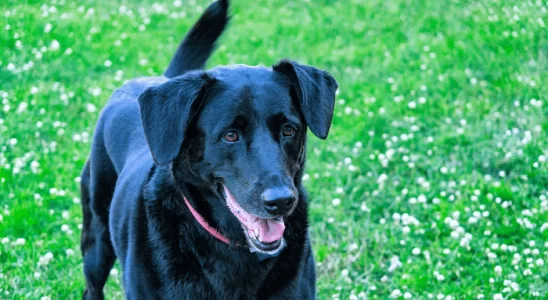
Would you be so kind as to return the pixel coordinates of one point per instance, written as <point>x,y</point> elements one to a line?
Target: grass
<point>432,184</point>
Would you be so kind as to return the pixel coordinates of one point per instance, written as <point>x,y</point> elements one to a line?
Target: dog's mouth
<point>263,235</point>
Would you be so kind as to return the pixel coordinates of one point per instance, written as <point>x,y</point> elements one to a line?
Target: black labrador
<point>194,178</point>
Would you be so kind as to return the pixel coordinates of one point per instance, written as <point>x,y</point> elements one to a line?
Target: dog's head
<point>242,130</point>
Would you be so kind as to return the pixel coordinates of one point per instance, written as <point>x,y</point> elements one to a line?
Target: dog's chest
<point>239,278</point>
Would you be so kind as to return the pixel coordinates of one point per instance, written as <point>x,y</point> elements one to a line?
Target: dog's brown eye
<point>231,136</point>
<point>288,130</point>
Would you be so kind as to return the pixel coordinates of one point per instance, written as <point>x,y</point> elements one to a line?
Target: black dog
<point>194,179</point>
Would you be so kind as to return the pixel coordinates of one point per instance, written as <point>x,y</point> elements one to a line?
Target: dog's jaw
<point>263,235</point>
<point>269,250</point>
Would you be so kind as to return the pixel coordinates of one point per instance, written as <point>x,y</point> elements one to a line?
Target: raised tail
<point>200,41</point>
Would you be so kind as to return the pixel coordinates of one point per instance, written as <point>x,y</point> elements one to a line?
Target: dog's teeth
<point>256,233</point>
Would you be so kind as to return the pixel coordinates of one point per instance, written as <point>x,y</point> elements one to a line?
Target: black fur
<point>158,139</point>
<point>166,111</point>
<point>315,90</point>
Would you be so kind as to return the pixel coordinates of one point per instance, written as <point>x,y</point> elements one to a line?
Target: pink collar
<point>205,225</point>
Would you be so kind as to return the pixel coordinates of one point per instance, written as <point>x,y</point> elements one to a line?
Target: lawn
<point>433,182</point>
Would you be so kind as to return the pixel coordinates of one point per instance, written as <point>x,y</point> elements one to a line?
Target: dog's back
<point>119,146</point>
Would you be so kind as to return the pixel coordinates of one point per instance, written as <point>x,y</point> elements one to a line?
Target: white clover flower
<point>353,247</point>
<point>19,242</point>
<point>91,108</point>
<point>54,46</point>
<point>394,264</point>
<point>46,259</point>
<point>382,178</point>
<point>396,294</point>
<point>95,92</point>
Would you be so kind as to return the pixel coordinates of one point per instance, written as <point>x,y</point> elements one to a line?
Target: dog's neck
<point>206,201</point>
<point>205,225</point>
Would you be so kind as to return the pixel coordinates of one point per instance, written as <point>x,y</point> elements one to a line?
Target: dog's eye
<point>288,130</point>
<point>231,136</point>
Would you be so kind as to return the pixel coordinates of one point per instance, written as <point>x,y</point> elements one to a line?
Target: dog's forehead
<point>243,89</point>
<point>236,77</point>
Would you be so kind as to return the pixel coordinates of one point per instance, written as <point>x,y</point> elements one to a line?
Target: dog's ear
<point>315,90</point>
<point>167,110</point>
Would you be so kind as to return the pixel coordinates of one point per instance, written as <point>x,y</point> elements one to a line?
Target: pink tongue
<point>269,230</point>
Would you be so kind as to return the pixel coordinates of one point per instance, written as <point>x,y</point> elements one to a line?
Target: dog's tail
<point>199,43</point>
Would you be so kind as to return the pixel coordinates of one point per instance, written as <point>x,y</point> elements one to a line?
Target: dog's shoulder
<point>124,99</point>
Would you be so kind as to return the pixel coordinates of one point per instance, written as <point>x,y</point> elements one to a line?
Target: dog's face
<point>253,146</point>
<point>243,132</point>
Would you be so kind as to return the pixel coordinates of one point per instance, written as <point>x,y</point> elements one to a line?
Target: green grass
<point>437,151</point>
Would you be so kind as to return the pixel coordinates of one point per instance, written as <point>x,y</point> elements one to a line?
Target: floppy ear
<point>167,110</point>
<point>315,91</point>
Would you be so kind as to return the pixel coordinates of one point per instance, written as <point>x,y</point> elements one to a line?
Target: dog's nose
<point>278,200</point>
